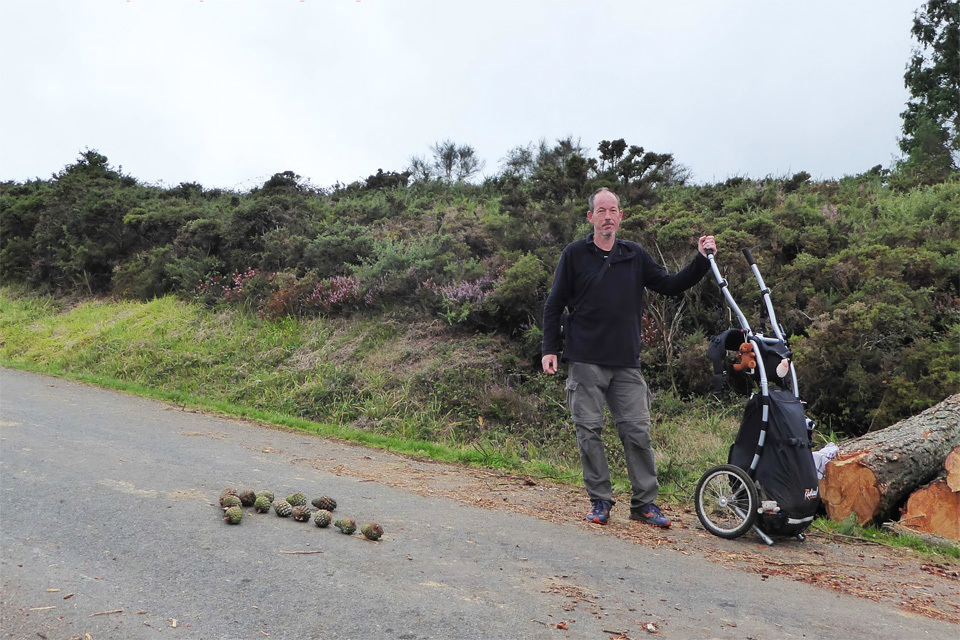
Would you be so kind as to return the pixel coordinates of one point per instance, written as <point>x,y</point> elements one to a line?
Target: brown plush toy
<point>746,359</point>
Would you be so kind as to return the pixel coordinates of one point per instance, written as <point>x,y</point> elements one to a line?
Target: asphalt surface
<point>110,528</point>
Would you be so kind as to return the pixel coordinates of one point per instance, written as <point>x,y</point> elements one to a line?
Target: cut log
<point>934,509</point>
<point>952,465</point>
<point>871,475</point>
<point>931,539</point>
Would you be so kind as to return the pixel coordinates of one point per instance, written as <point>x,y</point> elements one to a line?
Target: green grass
<point>234,364</point>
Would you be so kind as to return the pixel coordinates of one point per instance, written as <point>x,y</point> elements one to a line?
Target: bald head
<point>593,198</point>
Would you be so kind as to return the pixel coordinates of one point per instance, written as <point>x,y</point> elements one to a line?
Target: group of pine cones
<point>294,506</point>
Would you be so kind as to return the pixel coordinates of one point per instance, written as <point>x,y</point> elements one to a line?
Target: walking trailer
<point>769,483</point>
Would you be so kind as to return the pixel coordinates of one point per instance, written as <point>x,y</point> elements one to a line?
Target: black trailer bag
<point>786,471</point>
<point>740,381</point>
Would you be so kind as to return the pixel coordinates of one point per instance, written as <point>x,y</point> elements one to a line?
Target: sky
<point>228,92</point>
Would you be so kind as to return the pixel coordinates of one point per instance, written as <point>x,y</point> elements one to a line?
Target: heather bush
<point>461,300</point>
<point>284,296</point>
<point>339,293</point>
<point>233,288</point>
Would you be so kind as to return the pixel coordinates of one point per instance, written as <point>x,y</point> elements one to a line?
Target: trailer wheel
<point>727,501</point>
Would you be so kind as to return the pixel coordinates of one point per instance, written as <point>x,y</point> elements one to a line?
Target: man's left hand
<point>706,242</point>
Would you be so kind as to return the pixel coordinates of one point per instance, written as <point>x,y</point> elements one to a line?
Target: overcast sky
<point>228,92</point>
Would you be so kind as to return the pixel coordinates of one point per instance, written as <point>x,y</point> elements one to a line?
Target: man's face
<point>606,215</point>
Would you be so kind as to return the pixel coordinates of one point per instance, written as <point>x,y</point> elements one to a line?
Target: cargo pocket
<point>571,393</point>
<point>647,391</point>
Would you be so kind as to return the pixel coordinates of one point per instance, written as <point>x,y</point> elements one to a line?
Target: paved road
<point>108,504</point>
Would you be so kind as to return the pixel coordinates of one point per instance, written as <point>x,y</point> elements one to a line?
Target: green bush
<point>144,276</point>
<point>518,298</point>
<point>334,253</point>
<point>397,268</point>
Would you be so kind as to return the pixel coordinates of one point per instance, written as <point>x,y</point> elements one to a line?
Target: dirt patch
<point>876,572</point>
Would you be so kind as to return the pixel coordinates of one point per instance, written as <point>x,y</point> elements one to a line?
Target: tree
<point>565,171</point>
<point>610,153</point>
<point>420,169</point>
<point>387,180</point>
<point>283,182</point>
<point>80,235</point>
<point>933,78</point>
<point>21,206</point>
<point>555,158</point>
<point>635,173</point>
<point>519,162</point>
<point>451,163</point>
<point>929,160</point>
<point>561,171</point>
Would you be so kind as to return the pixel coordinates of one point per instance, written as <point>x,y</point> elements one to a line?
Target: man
<point>601,280</point>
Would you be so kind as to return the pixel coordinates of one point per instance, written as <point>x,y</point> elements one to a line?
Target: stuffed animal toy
<point>746,359</point>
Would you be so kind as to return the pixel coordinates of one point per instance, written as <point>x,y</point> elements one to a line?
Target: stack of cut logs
<point>916,460</point>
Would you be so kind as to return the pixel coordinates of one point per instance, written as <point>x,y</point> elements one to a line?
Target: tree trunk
<point>934,509</point>
<point>872,474</point>
<point>952,465</point>
<point>931,539</point>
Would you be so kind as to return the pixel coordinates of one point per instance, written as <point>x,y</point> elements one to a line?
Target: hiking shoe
<point>650,513</point>
<point>600,512</point>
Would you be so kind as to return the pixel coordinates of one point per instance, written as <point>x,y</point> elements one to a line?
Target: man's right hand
<point>549,363</point>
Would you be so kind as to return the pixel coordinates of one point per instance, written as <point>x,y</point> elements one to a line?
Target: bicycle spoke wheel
<point>727,501</point>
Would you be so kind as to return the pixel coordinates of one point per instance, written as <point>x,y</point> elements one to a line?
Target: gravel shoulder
<point>900,577</point>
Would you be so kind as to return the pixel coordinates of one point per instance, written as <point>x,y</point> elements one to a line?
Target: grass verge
<point>229,363</point>
<point>414,387</point>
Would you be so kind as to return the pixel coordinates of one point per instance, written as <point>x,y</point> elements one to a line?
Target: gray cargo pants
<point>625,393</point>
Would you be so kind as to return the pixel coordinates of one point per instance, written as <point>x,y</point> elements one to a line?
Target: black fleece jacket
<point>605,328</point>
